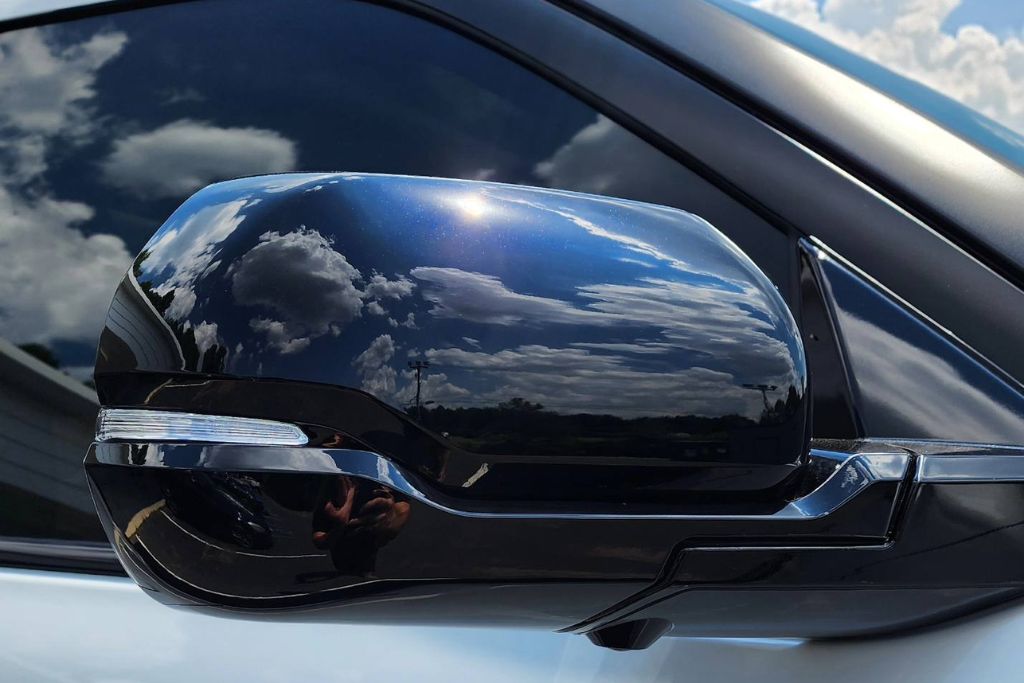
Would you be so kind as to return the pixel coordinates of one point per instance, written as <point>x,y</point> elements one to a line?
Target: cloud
<point>574,380</point>
<point>278,336</point>
<point>183,156</point>
<point>46,90</point>
<point>482,298</point>
<point>973,66</point>
<point>379,287</point>
<point>190,251</point>
<point>298,276</point>
<point>378,378</point>
<point>55,282</point>
<point>707,318</point>
<point>433,387</point>
<point>639,172</point>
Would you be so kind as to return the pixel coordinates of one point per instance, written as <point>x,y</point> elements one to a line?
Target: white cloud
<point>640,171</point>
<point>45,89</point>
<point>572,380</point>
<point>299,276</point>
<point>278,336</point>
<point>55,282</point>
<point>378,378</point>
<point>206,336</point>
<point>689,315</point>
<point>379,287</point>
<point>192,248</point>
<point>433,387</point>
<point>183,156</point>
<point>973,66</point>
<point>482,298</point>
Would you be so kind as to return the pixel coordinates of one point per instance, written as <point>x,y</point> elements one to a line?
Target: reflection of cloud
<point>640,170</point>
<point>641,347</point>
<point>576,380</point>
<point>484,298</point>
<point>433,387</point>
<point>409,322</point>
<point>891,373</point>
<point>299,276</point>
<point>278,337</point>
<point>378,378</point>
<point>181,157</point>
<point>379,287</point>
<point>55,282</point>
<point>702,316</point>
<point>45,90</point>
<point>191,249</point>
<point>206,335</point>
<point>696,316</point>
<point>973,66</point>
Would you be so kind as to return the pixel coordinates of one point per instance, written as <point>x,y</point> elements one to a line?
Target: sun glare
<point>472,206</point>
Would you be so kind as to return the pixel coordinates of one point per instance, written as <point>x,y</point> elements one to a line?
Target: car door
<point>112,118</point>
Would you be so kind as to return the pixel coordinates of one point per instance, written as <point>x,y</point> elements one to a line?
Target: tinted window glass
<point>109,123</point>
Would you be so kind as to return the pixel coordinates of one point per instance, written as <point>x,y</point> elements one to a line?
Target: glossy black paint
<point>903,374</point>
<point>340,538</point>
<point>955,549</point>
<point>779,160</point>
<point>504,342</point>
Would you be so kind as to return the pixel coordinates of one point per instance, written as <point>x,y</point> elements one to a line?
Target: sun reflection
<point>472,206</point>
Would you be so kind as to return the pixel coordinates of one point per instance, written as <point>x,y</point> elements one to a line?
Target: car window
<point>110,122</point>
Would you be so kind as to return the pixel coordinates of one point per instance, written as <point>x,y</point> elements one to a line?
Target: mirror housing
<point>319,390</point>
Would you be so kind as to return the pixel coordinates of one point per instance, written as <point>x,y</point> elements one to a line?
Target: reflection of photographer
<point>355,521</point>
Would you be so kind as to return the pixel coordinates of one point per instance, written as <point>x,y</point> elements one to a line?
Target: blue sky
<point>968,55</point>
<point>1000,17</point>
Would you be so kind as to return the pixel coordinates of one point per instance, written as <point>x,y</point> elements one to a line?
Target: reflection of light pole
<point>419,366</point>
<point>764,389</point>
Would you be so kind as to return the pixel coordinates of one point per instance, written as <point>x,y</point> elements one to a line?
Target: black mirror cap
<point>502,343</point>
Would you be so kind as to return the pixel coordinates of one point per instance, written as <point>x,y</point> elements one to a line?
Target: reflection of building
<point>47,420</point>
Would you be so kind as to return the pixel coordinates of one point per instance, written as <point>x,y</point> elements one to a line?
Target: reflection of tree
<point>519,426</point>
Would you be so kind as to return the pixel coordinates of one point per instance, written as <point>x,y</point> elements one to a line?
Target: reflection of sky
<point>143,120</point>
<point>581,304</point>
<point>325,100</point>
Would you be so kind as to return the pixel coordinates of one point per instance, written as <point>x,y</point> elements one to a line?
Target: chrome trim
<point>975,468</point>
<point>129,424</point>
<point>852,475</point>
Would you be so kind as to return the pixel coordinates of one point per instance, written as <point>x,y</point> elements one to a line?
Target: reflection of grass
<point>31,516</point>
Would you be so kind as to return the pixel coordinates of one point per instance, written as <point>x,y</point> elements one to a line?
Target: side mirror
<point>382,398</point>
